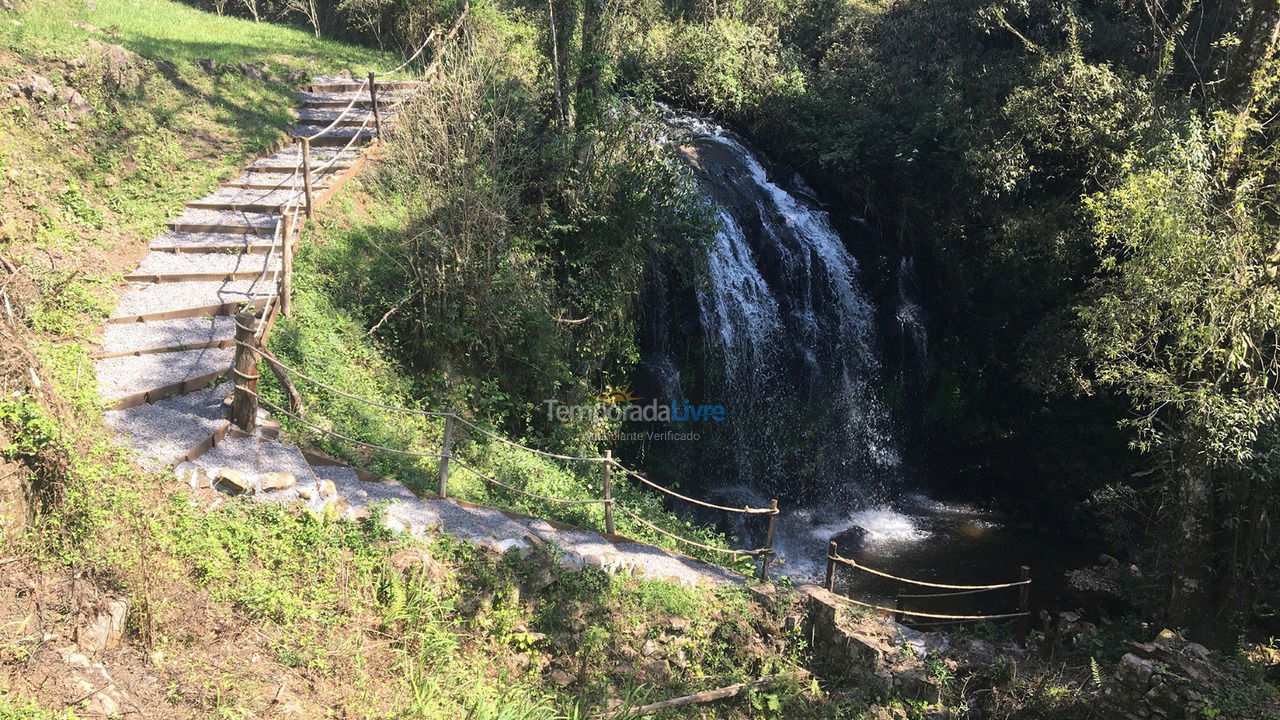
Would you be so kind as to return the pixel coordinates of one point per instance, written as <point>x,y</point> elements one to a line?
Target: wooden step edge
<point>202,277</point>
<point>206,345</point>
<point>228,308</point>
<point>315,171</point>
<point>176,226</point>
<point>205,445</point>
<point>250,249</point>
<point>247,185</point>
<point>188,385</point>
<point>240,207</point>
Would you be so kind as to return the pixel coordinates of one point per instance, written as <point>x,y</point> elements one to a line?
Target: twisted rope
<point>655,528</point>
<point>935,616</point>
<point>922,583</point>
<point>547,498</point>
<point>336,434</point>
<point>412,57</point>
<point>742,510</point>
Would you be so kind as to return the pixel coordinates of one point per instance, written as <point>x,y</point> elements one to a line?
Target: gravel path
<point>169,343</point>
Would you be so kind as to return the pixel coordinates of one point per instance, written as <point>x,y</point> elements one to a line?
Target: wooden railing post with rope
<point>608,493</point>
<point>244,404</point>
<point>304,147</point>
<point>900,612</point>
<point>446,452</point>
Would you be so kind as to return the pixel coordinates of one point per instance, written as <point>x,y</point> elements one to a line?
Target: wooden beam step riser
<point>332,169</point>
<point>201,277</point>
<point>210,345</point>
<point>224,249</point>
<point>222,229</point>
<point>230,308</point>
<point>243,207</point>
<point>179,388</point>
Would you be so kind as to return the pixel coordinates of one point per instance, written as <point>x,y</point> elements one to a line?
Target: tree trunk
<point>590,64</point>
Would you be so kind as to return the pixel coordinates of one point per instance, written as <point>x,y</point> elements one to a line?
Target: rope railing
<point>923,583</point>
<point>547,498</point>
<point>249,346</point>
<point>952,590</point>
<point>412,57</point>
<point>935,616</point>
<point>555,456</point>
<point>333,433</point>
<point>764,551</point>
<point>746,510</point>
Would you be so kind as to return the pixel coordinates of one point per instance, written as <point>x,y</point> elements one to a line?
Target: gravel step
<point>289,159</point>
<point>199,242</point>
<point>170,431</point>
<point>253,456</point>
<point>277,180</point>
<point>321,117</point>
<point>160,266</point>
<point>259,200</point>
<point>131,380</point>
<point>168,335</point>
<point>225,221</point>
<point>336,135</point>
<point>161,301</point>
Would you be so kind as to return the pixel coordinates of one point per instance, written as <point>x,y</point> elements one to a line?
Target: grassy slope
<point>245,611</point>
<point>325,340</point>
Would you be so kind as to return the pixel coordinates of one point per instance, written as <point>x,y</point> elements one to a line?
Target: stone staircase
<point>167,351</point>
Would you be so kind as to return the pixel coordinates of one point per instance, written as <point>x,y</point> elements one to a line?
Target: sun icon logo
<point>618,395</point>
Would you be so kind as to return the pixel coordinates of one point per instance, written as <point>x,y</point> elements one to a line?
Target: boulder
<point>278,481</point>
<point>104,629</point>
<point>37,88</point>
<point>234,480</point>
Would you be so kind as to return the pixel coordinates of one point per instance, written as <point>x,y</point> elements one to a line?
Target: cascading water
<point>780,331</point>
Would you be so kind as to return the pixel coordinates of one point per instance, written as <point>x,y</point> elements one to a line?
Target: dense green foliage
<point>1090,187</point>
<point>1087,187</point>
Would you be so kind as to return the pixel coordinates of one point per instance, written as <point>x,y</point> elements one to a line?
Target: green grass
<point>326,341</point>
<point>178,33</point>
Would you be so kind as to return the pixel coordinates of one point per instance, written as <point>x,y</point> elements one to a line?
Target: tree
<point>1184,323</point>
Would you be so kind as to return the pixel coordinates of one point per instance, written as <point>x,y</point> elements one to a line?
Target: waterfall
<point>781,332</point>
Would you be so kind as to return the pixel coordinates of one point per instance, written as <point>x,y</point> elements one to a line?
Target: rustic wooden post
<point>286,267</point>
<point>768,541</point>
<point>832,551</point>
<point>373,97</point>
<point>898,614</point>
<point>244,404</point>
<point>608,493</point>
<point>1024,601</point>
<point>305,149</point>
<point>446,451</point>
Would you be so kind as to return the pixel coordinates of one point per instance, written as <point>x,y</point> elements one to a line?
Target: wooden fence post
<point>373,97</point>
<point>286,267</point>
<point>768,541</point>
<point>832,551</point>
<point>446,451</point>
<point>244,405</point>
<point>608,493</point>
<point>306,174</point>
<point>898,615</point>
<point>1024,601</point>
